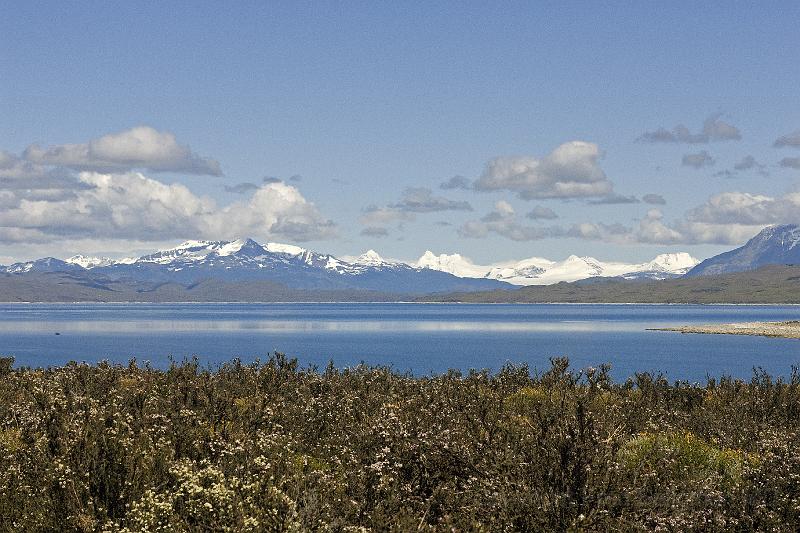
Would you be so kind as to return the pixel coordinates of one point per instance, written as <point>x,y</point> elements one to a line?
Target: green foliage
<point>682,458</point>
<point>273,447</point>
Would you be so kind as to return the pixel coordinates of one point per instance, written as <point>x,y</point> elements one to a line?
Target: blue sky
<point>363,110</point>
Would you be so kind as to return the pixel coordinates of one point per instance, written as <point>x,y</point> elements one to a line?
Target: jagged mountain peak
<point>241,246</point>
<point>370,257</point>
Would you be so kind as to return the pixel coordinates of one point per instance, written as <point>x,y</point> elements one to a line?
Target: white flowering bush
<point>201,497</point>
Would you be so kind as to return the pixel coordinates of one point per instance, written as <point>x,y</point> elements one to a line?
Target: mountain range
<point>540,271</point>
<point>245,260</point>
<point>298,268</point>
<point>246,270</point>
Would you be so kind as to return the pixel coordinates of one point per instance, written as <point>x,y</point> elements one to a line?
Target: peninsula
<point>786,330</point>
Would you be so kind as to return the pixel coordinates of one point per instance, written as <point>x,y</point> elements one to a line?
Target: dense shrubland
<point>269,446</point>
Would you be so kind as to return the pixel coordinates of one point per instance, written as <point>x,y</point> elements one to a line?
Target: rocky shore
<point>787,330</point>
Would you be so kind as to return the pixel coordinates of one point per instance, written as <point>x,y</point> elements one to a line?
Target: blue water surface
<point>420,338</point>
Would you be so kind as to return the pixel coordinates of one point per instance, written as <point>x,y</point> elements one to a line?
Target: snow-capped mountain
<point>89,262</point>
<point>673,262</point>
<point>775,245</point>
<point>46,264</point>
<point>299,268</point>
<point>370,258</point>
<point>540,271</point>
<point>454,264</point>
<point>247,260</point>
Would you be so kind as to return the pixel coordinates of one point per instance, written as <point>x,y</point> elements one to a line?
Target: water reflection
<point>350,326</point>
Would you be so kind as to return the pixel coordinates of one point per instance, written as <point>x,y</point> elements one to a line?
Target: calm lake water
<point>409,337</point>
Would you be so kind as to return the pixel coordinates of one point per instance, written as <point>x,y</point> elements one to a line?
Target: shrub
<point>272,446</point>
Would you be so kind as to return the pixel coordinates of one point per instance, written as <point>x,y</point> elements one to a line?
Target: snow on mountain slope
<point>540,271</point>
<point>46,264</point>
<point>19,268</point>
<point>370,258</point>
<point>676,262</point>
<point>232,247</point>
<point>454,264</point>
<point>89,262</point>
<point>245,259</point>
<point>521,272</point>
<point>186,251</point>
<point>288,249</point>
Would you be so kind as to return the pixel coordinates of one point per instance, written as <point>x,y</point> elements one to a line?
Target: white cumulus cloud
<point>570,171</point>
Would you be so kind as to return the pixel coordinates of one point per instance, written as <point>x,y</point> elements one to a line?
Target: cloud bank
<point>134,206</point>
<point>456,182</point>
<point>141,147</point>
<point>422,200</point>
<point>727,218</point>
<point>541,213</point>
<point>615,199</point>
<point>654,199</point>
<point>714,129</point>
<point>504,221</point>
<point>790,139</point>
<point>373,231</point>
<point>699,160</point>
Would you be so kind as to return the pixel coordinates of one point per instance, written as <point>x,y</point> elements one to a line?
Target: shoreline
<point>783,330</point>
<point>406,302</point>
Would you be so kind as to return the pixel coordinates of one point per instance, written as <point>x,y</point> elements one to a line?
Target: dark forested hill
<point>66,287</point>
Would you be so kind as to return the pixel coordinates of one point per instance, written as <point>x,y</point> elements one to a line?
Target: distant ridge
<point>541,271</point>
<point>775,245</point>
<point>245,260</point>
<point>296,267</point>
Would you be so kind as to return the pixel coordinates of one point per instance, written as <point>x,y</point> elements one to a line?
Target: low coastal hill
<point>70,287</point>
<point>774,284</point>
